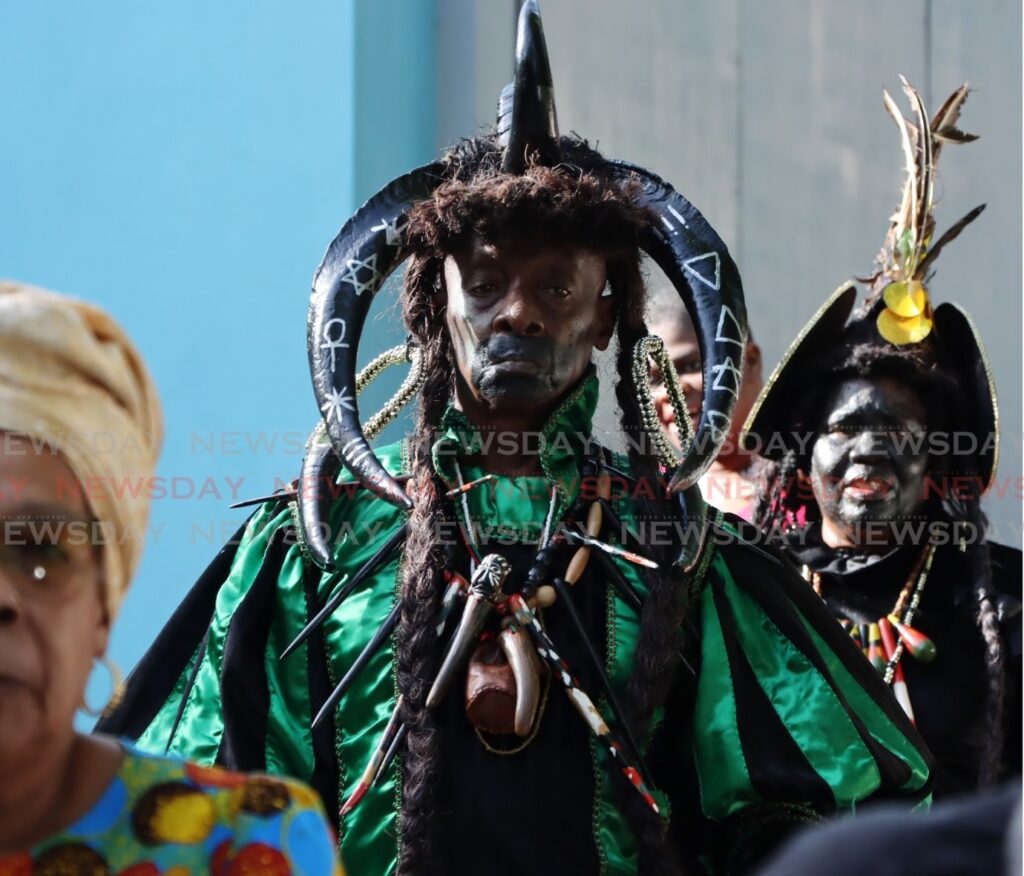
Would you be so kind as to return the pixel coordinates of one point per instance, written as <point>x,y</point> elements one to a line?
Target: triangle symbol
<point>690,267</point>
<point>726,314</point>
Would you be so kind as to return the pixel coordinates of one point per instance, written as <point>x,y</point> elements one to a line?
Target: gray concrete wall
<point>768,115</point>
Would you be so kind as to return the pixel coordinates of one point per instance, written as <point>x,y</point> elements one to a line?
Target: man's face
<point>684,351</point>
<point>869,460</point>
<point>524,322</point>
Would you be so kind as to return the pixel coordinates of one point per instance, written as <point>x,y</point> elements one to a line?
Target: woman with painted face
<point>882,434</point>
<point>79,423</point>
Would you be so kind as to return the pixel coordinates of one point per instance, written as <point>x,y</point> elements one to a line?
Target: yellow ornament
<point>906,299</point>
<point>903,330</point>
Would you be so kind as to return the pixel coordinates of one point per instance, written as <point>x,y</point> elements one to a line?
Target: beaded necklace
<point>885,640</point>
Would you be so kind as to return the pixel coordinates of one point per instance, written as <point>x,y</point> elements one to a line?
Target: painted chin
<point>869,499</point>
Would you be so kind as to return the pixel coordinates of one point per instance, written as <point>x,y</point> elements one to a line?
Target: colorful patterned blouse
<point>162,815</point>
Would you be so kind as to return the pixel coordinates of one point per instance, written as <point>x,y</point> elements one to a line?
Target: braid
<point>979,562</point>
<point>988,623</point>
<point>657,655</point>
<point>417,645</point>
<point>778,497</point>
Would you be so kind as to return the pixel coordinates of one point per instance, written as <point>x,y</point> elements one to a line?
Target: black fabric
<point>151,683</point>
<point>949,694</point>
<point>545,794</point>
<point>966,836</point>
<point>325,762</point>
<point>245,696</point>
<point>778,769</point>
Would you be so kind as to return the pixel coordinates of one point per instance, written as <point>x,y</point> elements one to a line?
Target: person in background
<point>882,434</point>
<point>80,431</point>
<point>731,482</point>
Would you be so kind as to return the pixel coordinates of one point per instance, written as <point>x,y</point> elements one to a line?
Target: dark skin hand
<point>868,463</point>
<point>524,322</point>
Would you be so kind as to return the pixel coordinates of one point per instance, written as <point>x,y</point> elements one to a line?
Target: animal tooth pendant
<point>523,661</point>
<point>487,582</point>
<point>917,643</point>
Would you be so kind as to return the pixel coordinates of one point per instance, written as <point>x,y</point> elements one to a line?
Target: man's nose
<point>691,384</point>
<point>518,313</point>
<point>869,446</point>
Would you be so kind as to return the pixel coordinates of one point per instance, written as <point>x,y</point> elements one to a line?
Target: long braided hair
<point>786,500</point>
<point>572,203</point>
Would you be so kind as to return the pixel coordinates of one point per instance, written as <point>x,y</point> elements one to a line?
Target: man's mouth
<point>515,364</point>
<point>868,489</point>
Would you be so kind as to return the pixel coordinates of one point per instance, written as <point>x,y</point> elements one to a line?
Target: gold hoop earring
<point>116,692</point>
<point>652,347</point>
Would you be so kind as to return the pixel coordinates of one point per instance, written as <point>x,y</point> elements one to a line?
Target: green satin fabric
<point>369,838</point>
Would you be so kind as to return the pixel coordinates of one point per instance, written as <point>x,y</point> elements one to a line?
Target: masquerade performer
<point>883,434</point>
<point>71,541</point>
<point>501,648</point>
<point>732,480</point>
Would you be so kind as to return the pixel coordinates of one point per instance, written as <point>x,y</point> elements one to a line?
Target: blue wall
<point>185,165</point>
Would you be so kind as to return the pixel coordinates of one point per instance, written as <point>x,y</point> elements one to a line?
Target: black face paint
<point>869,461</point>
<point>524,322</point>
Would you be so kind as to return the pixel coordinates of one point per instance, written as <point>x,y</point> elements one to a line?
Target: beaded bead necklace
<point>885,640</point>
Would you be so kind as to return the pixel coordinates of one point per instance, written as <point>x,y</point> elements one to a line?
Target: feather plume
<point>949,112</point>
<point>953,135</point>
<point>925,172</point>
<point>944,128</point>
<point>906,216</point>
<point>950,235</point>
<point>906,253</point>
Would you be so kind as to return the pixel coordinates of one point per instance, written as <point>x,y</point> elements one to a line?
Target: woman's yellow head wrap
<point>70,377</point>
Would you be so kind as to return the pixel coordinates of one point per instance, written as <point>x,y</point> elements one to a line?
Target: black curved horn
<point>698,264</point>
<point>358,261</point>
<point>526,117</point>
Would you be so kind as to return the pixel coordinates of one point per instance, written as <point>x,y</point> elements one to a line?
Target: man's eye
<point>481,289</point>
<point>690,366</point>
<point>557,291</point>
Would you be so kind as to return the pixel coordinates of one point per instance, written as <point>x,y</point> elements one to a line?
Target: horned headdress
<point>369,248</point>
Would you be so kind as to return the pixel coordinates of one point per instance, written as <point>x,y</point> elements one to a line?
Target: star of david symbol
<point>392,230</point>
<point>335,402</point>
<point>355,275</point>
<point>727,367</point>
